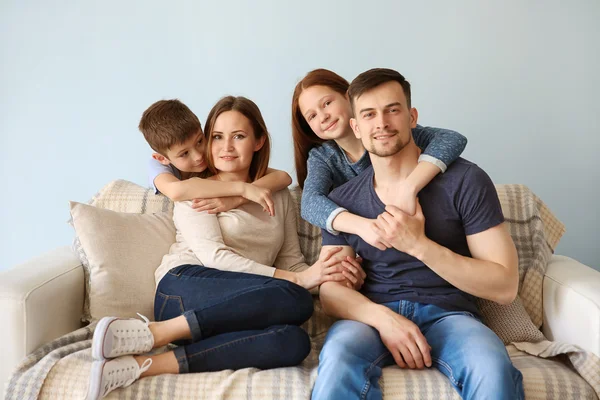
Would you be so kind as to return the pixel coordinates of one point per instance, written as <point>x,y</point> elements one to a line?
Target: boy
<point>175,134</point>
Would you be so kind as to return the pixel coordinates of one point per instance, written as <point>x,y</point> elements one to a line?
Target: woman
<point>233,289</point>
<point>327,155</point>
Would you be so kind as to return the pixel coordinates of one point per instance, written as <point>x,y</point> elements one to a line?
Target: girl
<point>327,154</point>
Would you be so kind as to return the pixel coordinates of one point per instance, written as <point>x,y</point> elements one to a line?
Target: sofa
<point>46,345</point>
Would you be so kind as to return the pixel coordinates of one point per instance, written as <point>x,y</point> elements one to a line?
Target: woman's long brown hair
<point>246,107</point>
<point>304,137</point>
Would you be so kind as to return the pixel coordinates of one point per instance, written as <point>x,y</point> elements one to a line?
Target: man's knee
<point>348,340</point>
<point>496,376</point>
<point>490,370</point>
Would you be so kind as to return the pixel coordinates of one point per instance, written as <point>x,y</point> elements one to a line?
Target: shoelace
<point>124,376</point>
<point>130,340</point>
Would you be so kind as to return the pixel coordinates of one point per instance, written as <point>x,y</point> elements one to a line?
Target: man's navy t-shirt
<point>462,201</point>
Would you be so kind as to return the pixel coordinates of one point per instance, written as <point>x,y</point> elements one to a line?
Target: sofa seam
<point>579,293</point>
<point>26,295</point>
<point>574,290</point>
<point>22,301</point>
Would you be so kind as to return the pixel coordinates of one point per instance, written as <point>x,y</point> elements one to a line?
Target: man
<point>417,305</point>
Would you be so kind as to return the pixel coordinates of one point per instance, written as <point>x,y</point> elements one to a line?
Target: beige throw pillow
<point>123,196</point>
<point>121,252</point>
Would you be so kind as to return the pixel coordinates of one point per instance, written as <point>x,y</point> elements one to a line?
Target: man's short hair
<point>168,122</point>
<point>374,77</point>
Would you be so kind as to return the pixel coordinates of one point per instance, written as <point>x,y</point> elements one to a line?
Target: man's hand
<point>404,340</point>
<point>260,196</point>
<point>405,232</point>
<point>367,232</point>
<point>217,204</point>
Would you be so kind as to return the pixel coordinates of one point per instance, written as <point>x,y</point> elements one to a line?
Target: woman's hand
<point>327,268</point>
<point>353,272</point>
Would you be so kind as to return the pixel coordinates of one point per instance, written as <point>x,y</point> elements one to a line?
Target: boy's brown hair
<point>168,122</point>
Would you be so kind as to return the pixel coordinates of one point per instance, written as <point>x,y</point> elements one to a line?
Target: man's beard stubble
<point>394,149</point>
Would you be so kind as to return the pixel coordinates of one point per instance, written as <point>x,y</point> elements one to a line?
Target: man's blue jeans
<point>237,320</point>
<point>464,349</point>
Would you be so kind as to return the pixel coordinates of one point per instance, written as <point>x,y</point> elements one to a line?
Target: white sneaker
<point>115,337</point>
<point>107,376</point>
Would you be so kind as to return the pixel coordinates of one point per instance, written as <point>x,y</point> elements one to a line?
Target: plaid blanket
<point>60,370</point>
<point>551,370</point>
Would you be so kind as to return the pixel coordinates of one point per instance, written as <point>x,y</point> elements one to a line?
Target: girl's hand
<point>217,204</point>
<point>369,234</point>
<point>327,268</point>
<point>406,198</point>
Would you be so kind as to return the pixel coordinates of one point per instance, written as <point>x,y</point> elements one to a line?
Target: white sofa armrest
<point>40,300</point>
<point>571,293</point>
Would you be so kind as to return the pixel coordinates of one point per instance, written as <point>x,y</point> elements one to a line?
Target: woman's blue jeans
<point>469,353</point>
<point>237,320</point>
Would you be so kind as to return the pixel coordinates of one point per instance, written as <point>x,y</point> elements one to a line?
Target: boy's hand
<point>217,204</point>
<point>260,196</point>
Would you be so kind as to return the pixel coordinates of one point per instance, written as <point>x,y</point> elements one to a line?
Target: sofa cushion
<point>121,252</point>
<point>535,232</point>
<point>542,379</point>
<point>123,196</point>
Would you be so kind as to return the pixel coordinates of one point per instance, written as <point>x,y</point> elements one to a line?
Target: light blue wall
<point>519,78</point>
